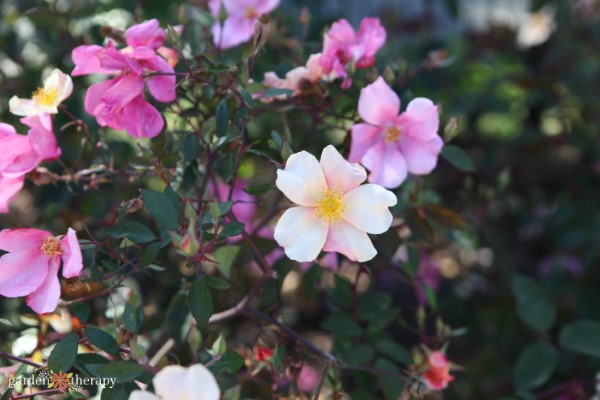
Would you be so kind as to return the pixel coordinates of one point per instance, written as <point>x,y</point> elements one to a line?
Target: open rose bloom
<point>30,268</point>
<point>334,212</point>
<point>392,144</point>
<point>242,15</point>
<point>179,383</point>
<point>46,99</point>
<point>437,376</point>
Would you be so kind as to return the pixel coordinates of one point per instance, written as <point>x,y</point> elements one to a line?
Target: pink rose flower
<point>437,377</point>
<point>119,102</point>
<point>343,45</point>
<point>391,144</point>
<point>242,15</point>
<point>30,268</point>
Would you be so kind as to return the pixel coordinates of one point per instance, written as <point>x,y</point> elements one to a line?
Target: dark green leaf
<point>342,324</point>
<point>271,92</point>
<point>217,283</point>
<point>230,361</point>
<point>458,157</point>
<point>63,355</point>
<point>200,302</point>
<point>257,190</point>
<point>232,229</point>
<point>395,351</point>
<point>582,336</point>
<point>161,208</point>
<point>177,315</point>
<point>534,306</point>
<point>122,371</point>
<point>133,317</point>
<point>224,256</point>
<point>360,354</point>
<point>222,118</point>
<point>391,385</point>
<point>535,366</point>
<point>148,255</point>
<point>102,340</point>
<point>312,280</point>
<point>81,311</point>
<point>133,231</point>
<point>247,97</point>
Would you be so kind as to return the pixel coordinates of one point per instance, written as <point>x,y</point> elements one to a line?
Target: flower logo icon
<point>60,380</point>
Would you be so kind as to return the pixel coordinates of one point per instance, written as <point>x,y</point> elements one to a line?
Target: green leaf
<point>233,393</point>
<point>232,229</point>
<point>230,361</point>
<point>277,139</point>
<point>200,302</point>
<point>133,317</point>
<point>63,355</point>
<point>247,97</point>
<point>271,92</point>
<point>257,190</point>
<point>341,294</point>
<point>161,208</point>
<point>385,318</point>
<point>103,341</point>
<point>224,256</point>
<point>582,336</point>
<point>312,280</point>
<point>534,306</point>
<point>395,351</point>
<point>360,354</point>
<point>122,371</point>
<point>535,366</point>
<point>177,316</point>
<point>7,395</point>
<point>81,311</point>
<point>220,345</point>
<point>391,386</point>
<point>217,283</point>
<point>458,157</point>
<point>148,255</point>
<point>342,324</point>
<point>370,304</point>
<point>222,118</point>
<point>133,231</point>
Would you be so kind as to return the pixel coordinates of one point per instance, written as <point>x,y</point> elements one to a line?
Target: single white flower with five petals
<point>179,383</point>
<point>335,212</point>
<point>45,100</point>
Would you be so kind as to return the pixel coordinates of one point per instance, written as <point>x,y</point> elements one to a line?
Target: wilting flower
<point>390,144</point>
<point>119,102</point>
<point>57,87</point>
<point>178,383</point>
<point>343,45</point>
<point>437,376</point>
<point>30,268</point>
<point>242,15</point>
<point>334,211</point>
<point>263,354</point>
<point>23,153</point>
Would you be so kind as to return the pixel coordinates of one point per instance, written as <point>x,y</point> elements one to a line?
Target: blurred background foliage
<point>523,270</point>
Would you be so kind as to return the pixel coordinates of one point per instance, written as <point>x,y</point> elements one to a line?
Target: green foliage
<point>535,365</point>
<point>63,355</point>
<point>200,302</point>
<point>102,340</point>
<point>534,306</point>
<point>582,336</point>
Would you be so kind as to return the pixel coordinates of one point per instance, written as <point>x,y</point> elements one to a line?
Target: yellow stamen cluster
<point>251,12</point>
<point>392,134</point>
<point>45,96</point>
<point>51,246</point>
<point>330,206</point>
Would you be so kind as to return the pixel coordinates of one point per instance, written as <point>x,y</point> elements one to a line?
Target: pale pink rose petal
<point>215,7</point>
<point>342,32</point>
<point>141,119</point>
<point>17,157</point>
<point>6,130</point>
<point>21,273</point>
<point>170,382</point>
<point>364,136</point>
<point>340,175</point>
<point>162,87</point>
<point>421,119</point>
<point>301,233</point>
<point>387,165</point>
<point>235,30</point>
<point>148,33</point>
<point>42,137</point>
<point>201,383</point>
<point>45,298</point>
<point>420,156</point>
<point>370,38</point>
<point>344,238</point>
<point>87,62</point>
<point>302,181</point>
<point>9,188</point>
<point>93,103</point>
<point>72,258</point>
<point>378,103</point>
<point>367,208</point>
<point>21,239</point>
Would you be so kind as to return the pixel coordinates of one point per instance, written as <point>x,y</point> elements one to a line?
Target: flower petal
<point>421,119</point>
<point>370,38</point>
<point>72,258</point>
<point>340,175</point>
<point>60,82</point>
<point>21,273</point>
<point>142,395</point>
<point>141,119</point>
<point>350,241</point>
<point>302,180</point>
<point>122,92</point>
<point>170,383</point>
<point>162,87</point>
<point>421,156</point>
<point>378,103</point>
<point>93,103</point>
<point>387,165</point>
<point>201,383</point>
<point>301,233</point>
<point>41,136</point>
<point>148,33</point>
<point>45,298</point>
<point>364,136</point>
<point>235,30</point>
<point>9,187</point>
<point>367,208</point>
<point>21,239</point>
<point>17,157</point>
<point>87,62</point>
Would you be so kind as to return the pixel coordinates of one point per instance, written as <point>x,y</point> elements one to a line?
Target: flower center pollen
<point>51,246</point>
<point>330,205</point>
<point>45,96</point>
<point>392,134</point>
<point>251,12</point>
